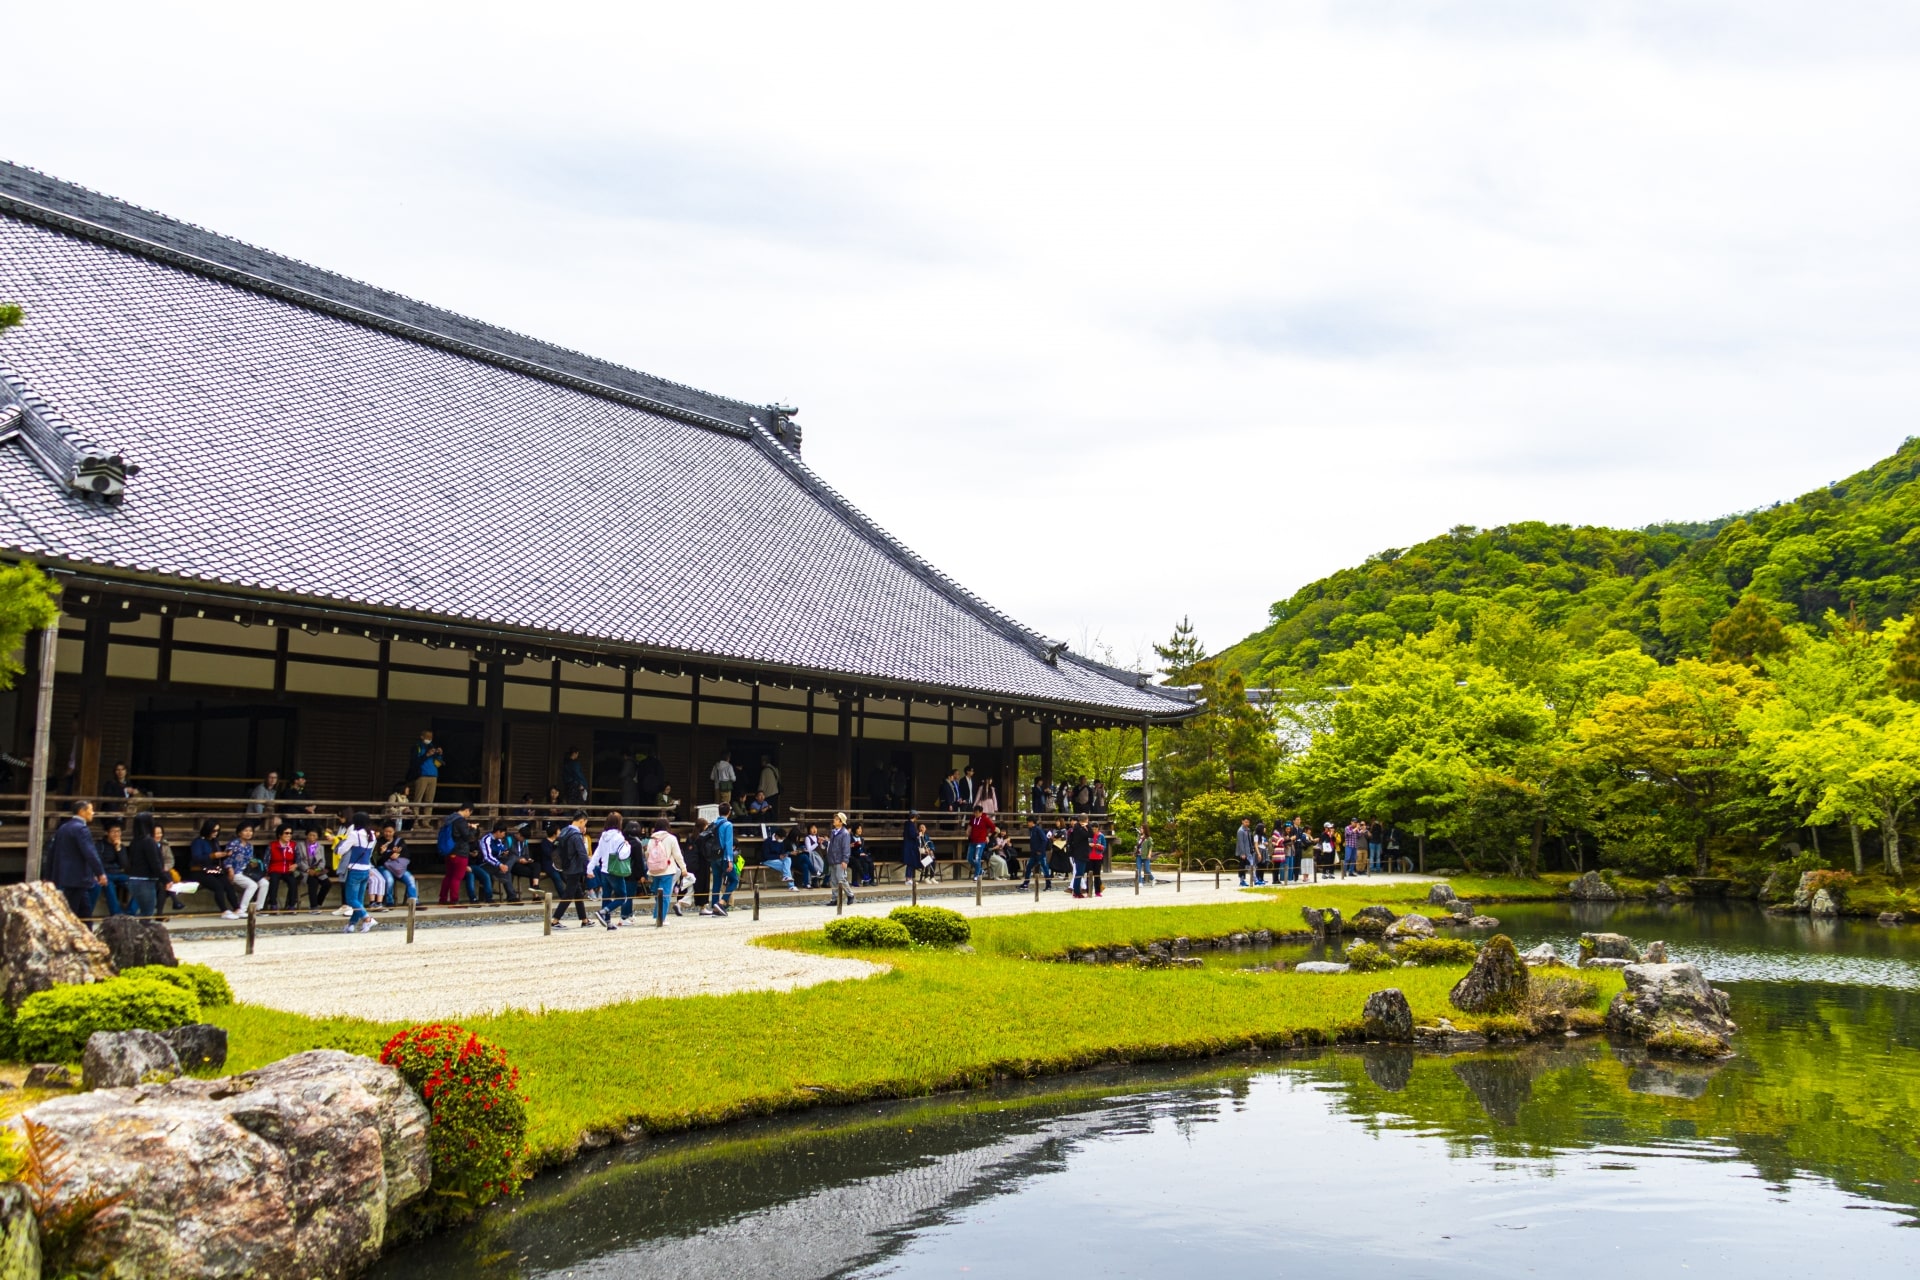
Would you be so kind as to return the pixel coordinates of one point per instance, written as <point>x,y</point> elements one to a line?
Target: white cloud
<point>1115,311</point>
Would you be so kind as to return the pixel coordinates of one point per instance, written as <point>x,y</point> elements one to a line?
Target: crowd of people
<point>1293,850</point>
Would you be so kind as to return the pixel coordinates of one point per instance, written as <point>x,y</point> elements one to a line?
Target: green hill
<point>1854,544</point>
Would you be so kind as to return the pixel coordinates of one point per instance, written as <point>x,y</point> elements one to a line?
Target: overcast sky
<point>1116,312</point>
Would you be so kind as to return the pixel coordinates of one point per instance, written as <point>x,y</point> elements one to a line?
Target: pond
<point>1800,1156</point>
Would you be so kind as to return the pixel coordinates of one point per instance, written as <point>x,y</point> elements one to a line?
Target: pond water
<point>1801,1156</point>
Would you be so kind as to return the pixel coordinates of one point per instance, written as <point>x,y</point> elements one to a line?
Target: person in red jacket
<point>980,829</point>
<point>281,876</point>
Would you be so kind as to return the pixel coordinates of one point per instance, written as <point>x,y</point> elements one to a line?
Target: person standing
<point>1374,836</point>
<point>910,846</point>
<point>1243,849</point>
<point>146,869</point>
<point>455,845</point>
<point>1143,855</point>
<point>699,854</point>
<point>665,866</point>
<point>612,863</point>
<point>966,791</point>
<point>573,778</point>
<point>570,859</point>
<point>425,772</point>
<point>1039,841</point>
<point>723,778</point>
<point>839,858</point>
<point>113,856</point>
<point>77,871</point>
<point>1096,860</point>
<point>989,798</point>
<point>950,792</point>
<point>260,799</point>
<point>1079,848</point>
<point>860,862</point>
<point>355,851</point>
<point>725,873</point>
<point>979,833</point>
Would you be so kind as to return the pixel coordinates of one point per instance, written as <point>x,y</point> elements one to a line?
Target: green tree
<point>1862,767</point>
<point>1180,655</point>
<point>1671,755</point>
<point>1749,634</point>
<point>1903,666</point>
<point>1231,746</point>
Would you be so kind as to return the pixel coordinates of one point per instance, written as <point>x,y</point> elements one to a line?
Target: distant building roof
<point>302,436</point>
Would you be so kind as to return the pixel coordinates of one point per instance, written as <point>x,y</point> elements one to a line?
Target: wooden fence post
<point>253,916</point>
<point>546,913</point>
<point>410,905</point>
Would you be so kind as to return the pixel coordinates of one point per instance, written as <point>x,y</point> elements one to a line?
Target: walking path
<point>487,968</point>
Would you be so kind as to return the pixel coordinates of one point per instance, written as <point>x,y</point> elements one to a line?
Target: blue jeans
<point>802,868</point>
<point>1373,856</point>
<point>1143,866</point>
<point>616,894</point>
<point>145,897</point>
<point>976,857</point>
<point>355,893</point>
<point>662,890</point>
<point>783,866</point>
<point>395,880</point>
<point>479,885</point>
<point>725,881</point>
<point>1347,866</point>
<point>1037,862</point>
<point>116,881</point>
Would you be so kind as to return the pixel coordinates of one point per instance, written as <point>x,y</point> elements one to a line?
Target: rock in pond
<point>1322,919</point>
<point>1388,1015</point>
<point>1823,904</point>
<point>1482,922</point>
<point>1319,966</point>
<point>43,945</point>
<point>1541,957</point>
<point>19,1234</point>
<point>133,941</point>
<point>122,1059</point>
<point>1671,1007</point>
<point>1444,1037</point>
<point>1591,888</point>
<point>199,1047</point>
<point>288,1171</point>
<point>1608,946</point>
<point>1656,953</point>
<point>1383,914</point>
<point>1890,918</point>
<point>1410,926</point>
<point>1497,983</point>
<point>1440,895</point>
<point>1608,962</point>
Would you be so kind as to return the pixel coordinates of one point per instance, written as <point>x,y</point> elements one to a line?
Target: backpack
<point>446,845</point>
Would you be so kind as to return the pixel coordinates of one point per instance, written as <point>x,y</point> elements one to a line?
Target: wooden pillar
<point>1009,768</point>
<point>493,737</point>
<point>93,710</point>
<point>694,774</point>
<point>843,757</point>
<point>1046,752</point>
<point>379,783</point>
<point>42,748</point>
<point>1146,783</point>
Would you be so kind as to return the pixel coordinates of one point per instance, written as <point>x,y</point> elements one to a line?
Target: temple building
<point>297,519</point>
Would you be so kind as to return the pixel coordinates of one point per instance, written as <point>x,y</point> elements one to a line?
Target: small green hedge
<point>1436,951</point>
<point>53,1025</point>
<point>933,926</point>
<point>209,985</point>
<point>1364,957</point>
<point>862,931</point>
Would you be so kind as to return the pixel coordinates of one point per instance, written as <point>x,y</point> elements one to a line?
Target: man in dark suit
<point>966,791</point>
<point>77,870</point>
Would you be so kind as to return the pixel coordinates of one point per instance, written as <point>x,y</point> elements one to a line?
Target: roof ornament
<point>89,470</point>
<point>784,428</point>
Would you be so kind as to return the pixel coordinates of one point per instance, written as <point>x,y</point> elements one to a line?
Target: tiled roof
<point>303,436</point>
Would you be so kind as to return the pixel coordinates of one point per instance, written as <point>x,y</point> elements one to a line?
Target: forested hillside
<point>1852,546</point>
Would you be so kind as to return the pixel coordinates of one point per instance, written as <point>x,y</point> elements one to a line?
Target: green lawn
<point>939,1020</point>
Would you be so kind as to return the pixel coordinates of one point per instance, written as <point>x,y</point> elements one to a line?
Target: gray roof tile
<point>303,435</point>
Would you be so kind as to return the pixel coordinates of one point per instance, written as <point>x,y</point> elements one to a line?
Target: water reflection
<point>1577,1156</point>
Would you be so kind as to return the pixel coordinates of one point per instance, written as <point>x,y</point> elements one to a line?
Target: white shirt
<point>612,845</point>
<point>723,774</point>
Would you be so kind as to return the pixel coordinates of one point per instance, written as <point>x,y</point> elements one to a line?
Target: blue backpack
<point>446,837</point>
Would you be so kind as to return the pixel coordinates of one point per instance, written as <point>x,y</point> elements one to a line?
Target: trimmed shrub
<point>934,926</point>
<point>1428,951</point>
<point>1364,957</point>
<point>863,931</point>
<point>478,1133</point>
<point>1208,821</point>
<point>53,1025</point>
<point>208,984</point>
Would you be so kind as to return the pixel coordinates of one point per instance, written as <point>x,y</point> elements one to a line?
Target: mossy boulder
<point>1497,983</point>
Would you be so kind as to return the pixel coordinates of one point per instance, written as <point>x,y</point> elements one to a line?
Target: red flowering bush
<point>479,1129</point>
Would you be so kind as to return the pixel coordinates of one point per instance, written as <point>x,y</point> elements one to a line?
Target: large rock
<point>1674,1001</point>
<point>1591,888</point>
<point>1319,966</point>
<point>19,1234</point>
<point>1823,904</point>
<point>133,941</point>
<point>1541,957</point>
<point>1497,983</point>
<point>1388,1015</point>
<point>1322,919</point>
<point>122,1059</point>
<point>1481,922</point>
<point>1383,914</point>
<point>42,943</point>
<point>289,1171</point>
<point>1607,946</point>
<point>1890,918</point>
<point>49,1075</point>
<point>1413,925</point>
<point>1440,895</point>
<point>1803,892</point>
<point>1656,953</point>
<point>199,1046</point>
